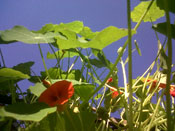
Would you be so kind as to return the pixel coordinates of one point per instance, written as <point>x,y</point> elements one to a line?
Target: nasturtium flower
<point>46,83</point>
<point>154,84</point>
<point>58,93</point>
<point>115,93</point>
<point>109,80</point>
<point>172,92</point>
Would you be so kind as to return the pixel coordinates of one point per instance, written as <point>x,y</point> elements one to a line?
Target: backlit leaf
<point>153,14</point>
<point>101,40</point>
<point>22,34</point>
<point>11,74</point>
<point>84,90</point>
<point>37,89</point>
<point>27,112</point>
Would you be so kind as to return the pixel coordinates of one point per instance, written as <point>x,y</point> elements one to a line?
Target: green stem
<point>44,63</point>
<point>169,63</point>
<point>3,61</point>
<point>130,119</point>
<point>109,74</point>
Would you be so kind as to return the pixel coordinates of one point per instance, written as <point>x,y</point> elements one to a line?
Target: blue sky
<point>97,14</point>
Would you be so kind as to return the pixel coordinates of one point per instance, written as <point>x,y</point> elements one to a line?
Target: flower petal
<point>58,93</point>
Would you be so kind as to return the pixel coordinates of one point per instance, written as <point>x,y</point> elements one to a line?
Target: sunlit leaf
<point>22,34</point>
<point>87,33</point>
<point>101,40</point>
<point>11,74</point>
<point>84,90</point>
<point>3,41</point>
<point>75,26</point>
<point>57,73</point>
<point>153,14</point>
<point>27,112</point>
<point>162,28</point>
<point>37,89</point>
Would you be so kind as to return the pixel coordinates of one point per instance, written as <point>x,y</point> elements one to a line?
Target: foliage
<point>64,98</point>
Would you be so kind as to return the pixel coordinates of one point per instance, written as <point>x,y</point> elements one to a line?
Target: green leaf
<point>75,26</point>
<point>22,34</point>
<point>171,3</point>
<point>97,63</point>
<point>84,90</point>
<point>87,33</point>
<point>66,121</point>
<point>27,112</point>
<point>53,72</point>
<point>24,67</point>
<point>162,28</point>
<point>11,74</point>
<point>153,14</point>
<point>37,89</point>
<point>101,40</point>
<point>3,41</point>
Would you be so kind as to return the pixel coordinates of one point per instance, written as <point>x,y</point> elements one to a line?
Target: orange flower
<point>109,80</point>
<point>46,83</point>
<point>115,93</point>
<point>154,84</point>
<point>172,92</point>
<point>58,93</point>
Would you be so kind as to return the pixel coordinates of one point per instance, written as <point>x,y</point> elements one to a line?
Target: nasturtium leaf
<point>101,40</point>
<point>50,123</point>
<point>87,33</point>
<point>75,26</point>
<point>84,90</point>
<point>171,3</point>
<point>67,53</point>
<point>153,14</point>
<point>97,63</point>
<point>24,67</point>
<point>54,73</point>
<point>27,112</point>
<point>3,41</point>
<point>57,73</point>
<point>162,28</point>
<point>11,74</point>
<point>37,89</point>
<point>22,34</point>
<point>85,120</point>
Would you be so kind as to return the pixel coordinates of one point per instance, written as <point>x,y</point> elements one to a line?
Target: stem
<point>109,74</point>
<point>169,63</point>
<point>130,119</point>
<point>2,58</point>
<point>44,63</point>
<point>124,79</point>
